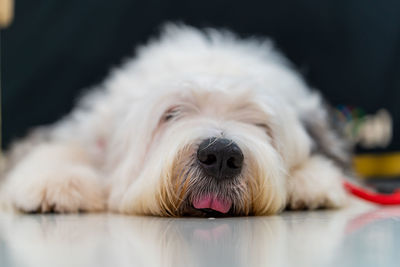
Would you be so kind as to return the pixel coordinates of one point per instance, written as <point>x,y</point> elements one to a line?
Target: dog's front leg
<point>316,183</point>
<point>53,178</point>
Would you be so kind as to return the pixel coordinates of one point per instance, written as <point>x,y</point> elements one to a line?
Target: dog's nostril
<point>208,159</point>
<point>233,163</point>
<point>220,158</point>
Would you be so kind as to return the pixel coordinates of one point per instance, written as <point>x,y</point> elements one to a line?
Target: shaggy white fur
<point>130,145</point>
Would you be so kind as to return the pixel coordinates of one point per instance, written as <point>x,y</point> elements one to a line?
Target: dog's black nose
<point>220,158</point>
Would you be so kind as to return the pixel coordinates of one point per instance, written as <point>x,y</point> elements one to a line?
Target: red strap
<point>382,199</point>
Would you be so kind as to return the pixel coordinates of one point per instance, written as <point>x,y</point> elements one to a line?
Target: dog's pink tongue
<point>213,202</point>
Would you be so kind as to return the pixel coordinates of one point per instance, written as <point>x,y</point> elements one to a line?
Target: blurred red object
<point>381,199</point>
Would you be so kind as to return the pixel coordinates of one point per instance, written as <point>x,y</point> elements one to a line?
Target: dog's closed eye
<point>262,126</point>
<point>171,113</point>
<point>265,127</point>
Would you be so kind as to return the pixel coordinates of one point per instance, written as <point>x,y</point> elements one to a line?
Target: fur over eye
<point>262,126</point>
<point>265,127</point>
<point>170,114</point>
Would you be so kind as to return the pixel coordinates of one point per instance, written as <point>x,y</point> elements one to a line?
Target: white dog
<point>200,123</point>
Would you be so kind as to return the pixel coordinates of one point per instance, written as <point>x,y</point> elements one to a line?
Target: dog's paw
<point>316,184</point>
<point>310,199</point>
<point>59,189</point>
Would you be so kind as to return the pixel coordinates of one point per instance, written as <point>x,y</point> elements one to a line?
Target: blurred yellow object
<point>6,12</point>
<point>378,165</point>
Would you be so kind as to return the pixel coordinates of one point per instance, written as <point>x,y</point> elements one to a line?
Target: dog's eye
<point>265,127</point>
<point>170,114</point>
<point>168,117</point>
<point>262,125</point>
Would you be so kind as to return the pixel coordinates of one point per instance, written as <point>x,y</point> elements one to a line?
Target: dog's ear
<point>307,127</point>
<point>327,136</point>
<point>290,137</point>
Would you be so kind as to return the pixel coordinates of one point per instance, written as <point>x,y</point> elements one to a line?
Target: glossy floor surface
<point>360,235</point>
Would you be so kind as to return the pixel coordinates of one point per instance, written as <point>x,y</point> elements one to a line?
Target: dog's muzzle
<point>220,159</point>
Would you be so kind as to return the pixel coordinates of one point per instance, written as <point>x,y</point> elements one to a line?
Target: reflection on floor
<point>360,235</point>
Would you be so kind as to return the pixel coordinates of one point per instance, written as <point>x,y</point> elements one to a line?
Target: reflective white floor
<point>360,235</point>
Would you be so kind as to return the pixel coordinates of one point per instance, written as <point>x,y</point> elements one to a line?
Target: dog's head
<point>205,148</point>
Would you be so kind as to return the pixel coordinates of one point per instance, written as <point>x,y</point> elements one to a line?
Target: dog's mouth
<point>213,203</point>
<point>209,197</point>
<point>212,213</point>
<point>210,206</point>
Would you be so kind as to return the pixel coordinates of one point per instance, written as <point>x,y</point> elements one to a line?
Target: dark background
<point>349,49</point>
